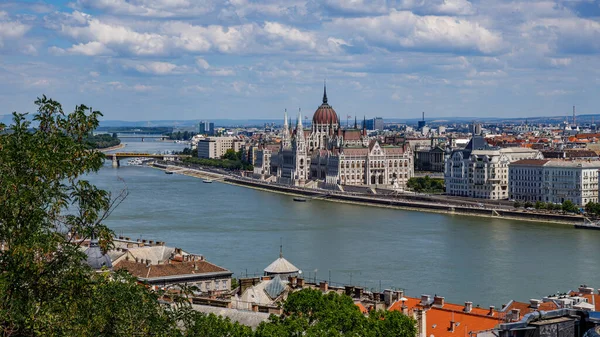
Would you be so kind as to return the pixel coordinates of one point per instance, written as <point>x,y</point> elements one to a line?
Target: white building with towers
<point>329,154</point>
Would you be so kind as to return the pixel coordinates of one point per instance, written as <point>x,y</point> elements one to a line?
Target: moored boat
<point>207,181</point>
<point>300,199</point>
<point>588,225</point>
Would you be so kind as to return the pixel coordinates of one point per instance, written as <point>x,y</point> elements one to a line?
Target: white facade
<point>216,147</point>
<point>555,181</point>
<point>481,171</point>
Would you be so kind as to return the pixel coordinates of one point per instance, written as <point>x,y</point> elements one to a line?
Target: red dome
<point>325,115</point>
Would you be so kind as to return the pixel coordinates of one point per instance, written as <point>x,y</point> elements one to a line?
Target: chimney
<point>468,306</point>
<point>438,301</point>
<point>147,262</point>
<point>421,318</point>
<point>452,326</point>
<point>300,282</point>
<point>127,258</point>
<point>323,286</point>
<point>387,297</point>
<point>425,300</point>
<point>584,289</point>
<point>358,292</point>
<point>136,260</point>
<point>515,314</point>
<point>534,304</point>
<point>349,290</point>
<point>491,312</point>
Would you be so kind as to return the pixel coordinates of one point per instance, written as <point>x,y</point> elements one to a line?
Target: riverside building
<point>330,155</point>
<point>216,147</point>
<point>480,170</point>
<point>554,181</point>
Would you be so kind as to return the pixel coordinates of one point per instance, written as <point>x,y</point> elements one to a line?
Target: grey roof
<point>476,143</point>
<point>248,318</point>
<point>275,287</point>
<point>95,258</point>
<point>281,266</point>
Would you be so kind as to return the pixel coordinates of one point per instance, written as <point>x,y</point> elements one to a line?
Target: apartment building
<point>216,147</point>
<point>481,171</point>
<point>554,181</point>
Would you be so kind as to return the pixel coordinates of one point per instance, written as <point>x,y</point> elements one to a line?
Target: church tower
<point>286,141</point>
<point>300,152</point>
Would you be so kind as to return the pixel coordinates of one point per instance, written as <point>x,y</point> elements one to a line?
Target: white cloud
<point>405,30</point>
<point>11,30</point>
<point>202,64</point>
<point>142,88</point>
<point>94,73</point>
<point>168,38</point>
<point>93,48</point>
<point>150,8</point>
<point>222,72</point>
<point>555,92</point>
<point>154,67</point>
<point>565,35</point>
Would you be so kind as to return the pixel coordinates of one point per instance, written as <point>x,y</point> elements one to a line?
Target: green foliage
<point>190,152</point>
<point>232,155</point>
<point>592,208</point>
<point>234,283</point>
<point>569,206</point>
<point>220,163</point>
<point>528,204</point>
<point>426,184</point>
<point>102,141</point>
<point>540,205</point>
<point>516,204</point>
<point>309,312</point>
<point>186,135</point>
<point>215,326</point>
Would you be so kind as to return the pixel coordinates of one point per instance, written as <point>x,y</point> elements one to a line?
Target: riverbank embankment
<point>379,201</point>
<point>112,148</point>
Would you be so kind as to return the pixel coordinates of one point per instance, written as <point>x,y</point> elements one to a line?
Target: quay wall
<point>422,206</point>
<point>415,204</point>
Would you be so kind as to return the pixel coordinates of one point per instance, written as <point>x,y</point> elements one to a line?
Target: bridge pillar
<point>115,162</point>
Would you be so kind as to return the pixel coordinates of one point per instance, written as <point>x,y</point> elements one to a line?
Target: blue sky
<point>197,59</point>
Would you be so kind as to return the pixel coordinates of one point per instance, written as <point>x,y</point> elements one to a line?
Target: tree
<point>540,205</point>
<point>569,206</point>
<point>528,204</point>
<point>310,312</point>
<point>45,289</point>
<point>516,204</point>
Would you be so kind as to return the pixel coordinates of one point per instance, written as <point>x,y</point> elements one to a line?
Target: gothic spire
<point>285,122</point>
<point>355,124</point>
<point>299,125</point>
<point>364,122</point>
<point>324,92</point>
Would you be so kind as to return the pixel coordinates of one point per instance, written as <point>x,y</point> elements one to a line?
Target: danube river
<point>487,261</point>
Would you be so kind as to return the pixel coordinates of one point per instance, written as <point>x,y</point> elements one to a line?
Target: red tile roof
<point>141,270</point>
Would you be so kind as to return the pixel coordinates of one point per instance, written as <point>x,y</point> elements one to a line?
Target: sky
<point>243,59</point>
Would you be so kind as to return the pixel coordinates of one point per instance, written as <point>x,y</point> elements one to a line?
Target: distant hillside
<point>260,122</point>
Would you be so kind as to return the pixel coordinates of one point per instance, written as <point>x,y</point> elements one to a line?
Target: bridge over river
<point>116,157</point>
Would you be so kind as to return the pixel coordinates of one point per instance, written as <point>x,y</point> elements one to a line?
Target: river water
<point>487,261</point>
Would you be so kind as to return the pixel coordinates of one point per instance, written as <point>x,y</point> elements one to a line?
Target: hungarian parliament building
<point>331,155</point>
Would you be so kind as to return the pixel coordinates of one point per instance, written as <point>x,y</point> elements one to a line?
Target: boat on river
<point>168,172</point>
<point>207,181</point>
<point>588,225</point>
<point>299,199</point>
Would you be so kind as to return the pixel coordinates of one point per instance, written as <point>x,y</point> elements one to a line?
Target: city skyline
<point>155,60</point>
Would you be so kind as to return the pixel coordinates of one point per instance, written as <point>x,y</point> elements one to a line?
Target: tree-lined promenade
<point>46,288</point>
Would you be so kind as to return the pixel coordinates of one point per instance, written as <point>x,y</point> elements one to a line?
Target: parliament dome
<point>325,113</point>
